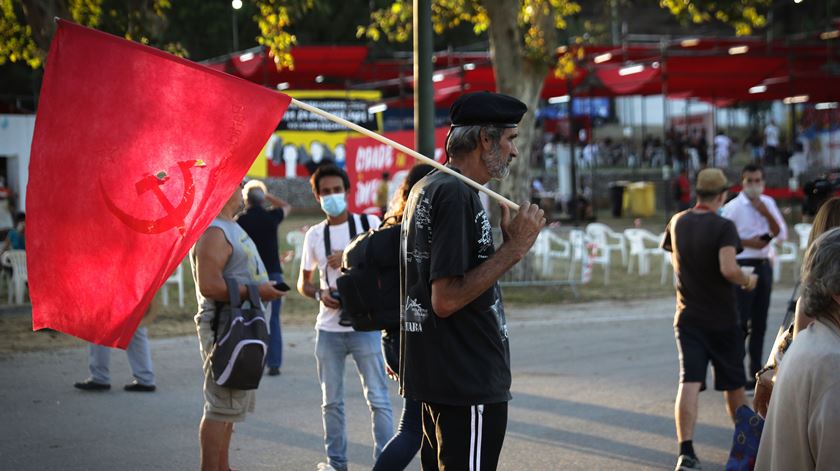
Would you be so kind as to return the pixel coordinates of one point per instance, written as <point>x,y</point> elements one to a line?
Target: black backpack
<point>370,280</point>
<point>240,338</point>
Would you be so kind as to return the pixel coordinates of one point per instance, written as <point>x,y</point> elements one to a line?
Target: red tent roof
<point>717,70</point>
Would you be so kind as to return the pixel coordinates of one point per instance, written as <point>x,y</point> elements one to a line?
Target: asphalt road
<point>593,388</point>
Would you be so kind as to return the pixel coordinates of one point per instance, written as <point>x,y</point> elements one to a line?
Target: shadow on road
<point>609,416</point>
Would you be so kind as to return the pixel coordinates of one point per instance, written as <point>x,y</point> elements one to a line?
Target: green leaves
<point>743,16</point>
<point>16,43</point>
<point>274,19</point>
<point>25,35</point>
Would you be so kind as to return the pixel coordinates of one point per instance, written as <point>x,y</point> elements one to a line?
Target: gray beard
<point>497,167</point>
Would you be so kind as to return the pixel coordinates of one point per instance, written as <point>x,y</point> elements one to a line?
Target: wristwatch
<point>318,295</point>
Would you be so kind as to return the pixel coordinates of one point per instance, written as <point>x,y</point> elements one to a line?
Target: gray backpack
<point>240,337</point>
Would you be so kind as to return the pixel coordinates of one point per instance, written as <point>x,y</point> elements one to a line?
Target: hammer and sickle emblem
<point>175,215</point>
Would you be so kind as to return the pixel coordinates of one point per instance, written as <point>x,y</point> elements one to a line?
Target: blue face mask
<point>334,204</point>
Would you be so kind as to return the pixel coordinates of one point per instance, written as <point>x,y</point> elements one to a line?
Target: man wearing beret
<point>703,247</point>
<point>455,352</point>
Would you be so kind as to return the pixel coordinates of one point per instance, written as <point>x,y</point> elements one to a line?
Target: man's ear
<point>483,140</point>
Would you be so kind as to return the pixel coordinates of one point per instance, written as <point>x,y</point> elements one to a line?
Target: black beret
<point>486,108</point>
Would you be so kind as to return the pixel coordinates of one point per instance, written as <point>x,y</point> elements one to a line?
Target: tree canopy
<point>27,26</point>
<point>744,15</point>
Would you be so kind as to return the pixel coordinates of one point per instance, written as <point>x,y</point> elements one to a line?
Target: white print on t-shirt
<point>423,213</point>
<point>486,239</point>
<point>499,312</point>
<point>415,315</point>
<point>417,256</point>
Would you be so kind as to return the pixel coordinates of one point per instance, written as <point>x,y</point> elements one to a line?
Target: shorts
<point>724,348</point>
<point>221,404</point>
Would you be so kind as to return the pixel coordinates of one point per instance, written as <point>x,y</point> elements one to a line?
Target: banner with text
<point>351,105</point>
<point>368,159</point>
<point>303,141</point>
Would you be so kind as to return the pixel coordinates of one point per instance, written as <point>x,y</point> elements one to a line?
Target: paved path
<point>593,388</point>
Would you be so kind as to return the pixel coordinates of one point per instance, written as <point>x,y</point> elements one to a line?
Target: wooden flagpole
<point>406,150</point>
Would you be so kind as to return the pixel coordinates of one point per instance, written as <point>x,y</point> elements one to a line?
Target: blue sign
<point>598,107</point>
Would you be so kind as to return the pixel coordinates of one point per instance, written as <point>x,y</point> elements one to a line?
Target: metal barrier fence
<point>554,260</point>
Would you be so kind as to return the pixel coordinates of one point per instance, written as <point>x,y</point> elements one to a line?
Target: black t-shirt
<point>261,226</point>
<point>705,299</point>
<point>463,359</point>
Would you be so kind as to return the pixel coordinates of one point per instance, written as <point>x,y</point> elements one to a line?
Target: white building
<point>16,132</point>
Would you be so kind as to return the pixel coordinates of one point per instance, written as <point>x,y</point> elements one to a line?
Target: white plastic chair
<point>17,260</point>
<point>803,230</point>
<point>643,244</point>
<point>548,246</point>
<point>783,252</point>
<point>295,239</point>
<point>177,278</point>
<point>602,234</point>
<point>581,252</point>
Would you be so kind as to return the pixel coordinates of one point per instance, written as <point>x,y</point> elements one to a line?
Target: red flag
<point>135,152</point>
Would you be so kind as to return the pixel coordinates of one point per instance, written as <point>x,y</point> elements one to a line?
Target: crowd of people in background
<point>691,147</point>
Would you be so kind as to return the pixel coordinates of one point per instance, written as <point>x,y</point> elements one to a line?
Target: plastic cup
<point>748,270</point>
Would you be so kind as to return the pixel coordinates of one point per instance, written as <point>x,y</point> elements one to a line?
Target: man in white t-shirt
<point>322,248</point>
<point>771,143</point>
<point>723,145</point>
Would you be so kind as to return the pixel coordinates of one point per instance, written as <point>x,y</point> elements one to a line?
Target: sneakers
<point>687,463</point>
<point>325,467</point>
<point>134,386</point>
<point>91,385</point>
<point>275,372</point>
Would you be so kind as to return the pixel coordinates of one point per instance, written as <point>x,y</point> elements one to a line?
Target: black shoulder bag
<point>240,338</point>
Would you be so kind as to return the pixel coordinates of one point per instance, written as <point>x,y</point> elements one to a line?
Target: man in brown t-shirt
<point>703,247</point>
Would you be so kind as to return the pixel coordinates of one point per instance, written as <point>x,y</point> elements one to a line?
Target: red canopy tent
<point>721,71</point>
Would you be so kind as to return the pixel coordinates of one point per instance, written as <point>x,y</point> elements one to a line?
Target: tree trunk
<point>40,16</point>
<point>518,76</point>
<point>522,77</point>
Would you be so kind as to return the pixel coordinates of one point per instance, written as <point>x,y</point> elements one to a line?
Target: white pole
<point>406,150</point>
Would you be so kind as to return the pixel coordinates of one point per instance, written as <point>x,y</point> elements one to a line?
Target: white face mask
<point>754,190</point>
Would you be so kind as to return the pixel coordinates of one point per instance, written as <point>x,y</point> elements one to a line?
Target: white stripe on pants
<point>476,424</point>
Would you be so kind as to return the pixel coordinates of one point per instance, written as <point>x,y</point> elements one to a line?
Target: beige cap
<point>711,181</point>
